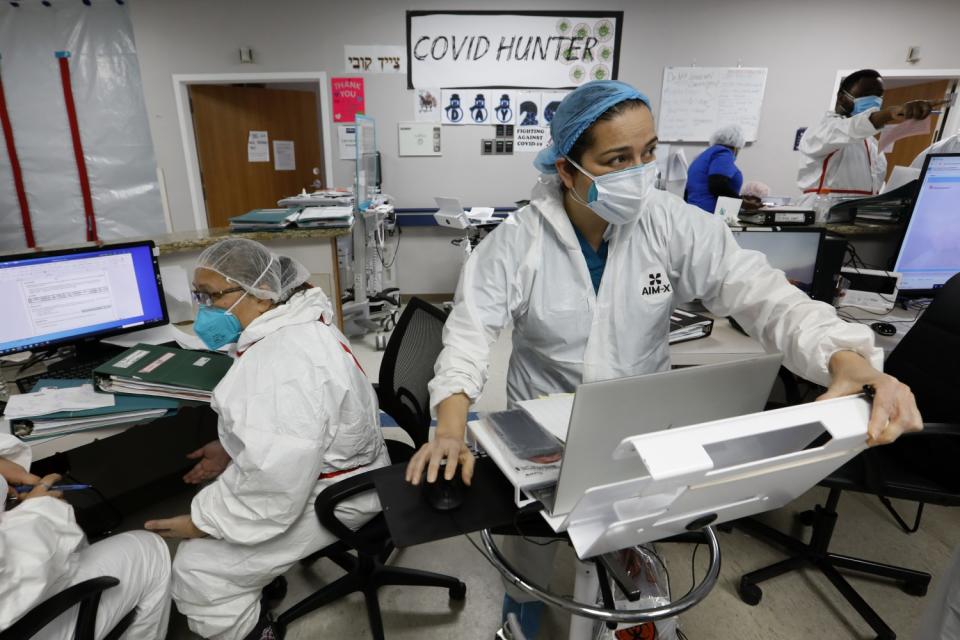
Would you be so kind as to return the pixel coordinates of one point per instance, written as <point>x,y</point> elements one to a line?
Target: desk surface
<point>203,238</point>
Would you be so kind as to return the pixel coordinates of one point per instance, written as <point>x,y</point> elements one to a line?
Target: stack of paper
<point>57,407</point>
<point>264,220</point>
<point>324,217</point>
<point>323,198</point>
<point>685,325</point>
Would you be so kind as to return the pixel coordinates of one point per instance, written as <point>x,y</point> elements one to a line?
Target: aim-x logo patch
<point>656,285</point>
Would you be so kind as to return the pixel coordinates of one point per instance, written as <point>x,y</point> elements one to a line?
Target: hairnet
<point>729,136</point>
<point>246,263</point>
<point>756,189</point>
<point>580,109</point>
<point>292,275</point>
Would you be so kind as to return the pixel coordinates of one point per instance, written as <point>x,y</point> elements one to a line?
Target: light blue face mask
<point>618,196</point>
<point>217,327</point>
<point>865,103</point>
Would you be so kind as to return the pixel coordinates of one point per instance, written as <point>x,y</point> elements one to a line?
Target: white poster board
<point>284,158</point>
<point>696,101</point>
<point>258,146</point>
<point>375,58</point>
<point>543,49</point>
<point>347,141</point>
<point>418,139</point>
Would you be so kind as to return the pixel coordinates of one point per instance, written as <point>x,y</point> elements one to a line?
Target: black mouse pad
<point>487,503</point>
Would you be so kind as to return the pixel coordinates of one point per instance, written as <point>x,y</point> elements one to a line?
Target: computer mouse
<point>884,328</point>
<point>444,495</point>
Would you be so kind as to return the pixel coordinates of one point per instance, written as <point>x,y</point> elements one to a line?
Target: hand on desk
<point>894,410</point>
<point>14,474</point>
<point>177,527</point>
<point>213,460</point>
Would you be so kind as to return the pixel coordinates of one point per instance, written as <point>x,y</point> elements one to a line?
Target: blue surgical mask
<point>865,103</point>
<point>217,327</point>
<point>618,196</point>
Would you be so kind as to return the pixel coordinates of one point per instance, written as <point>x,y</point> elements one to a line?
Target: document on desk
<point>521,473</point>
<point>46,401</point>
<point>551,412</point>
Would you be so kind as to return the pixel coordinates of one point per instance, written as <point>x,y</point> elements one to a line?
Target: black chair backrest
<point>86,593</point>
<point>927,359</point>
<point>407,368</point>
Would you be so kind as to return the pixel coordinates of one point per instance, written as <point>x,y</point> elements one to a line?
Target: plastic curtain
<point>112,117</point>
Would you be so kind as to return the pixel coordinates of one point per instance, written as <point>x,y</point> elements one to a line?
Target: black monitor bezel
<point>105,333</point>
<point>918,293</point>
<point>817,264</point>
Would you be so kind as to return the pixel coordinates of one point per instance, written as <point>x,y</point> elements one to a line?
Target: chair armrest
<point>951,429</point>
<point>86,592</point>
<point>331,497</point>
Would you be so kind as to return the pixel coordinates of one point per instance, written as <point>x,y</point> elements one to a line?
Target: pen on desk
<point>26,488</point>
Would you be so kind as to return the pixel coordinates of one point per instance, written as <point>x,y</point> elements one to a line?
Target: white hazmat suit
<point>294,409</point>
<point>947,145</point>
<point>840,158</point>
<point>43,551</point>
<point>532,272</point>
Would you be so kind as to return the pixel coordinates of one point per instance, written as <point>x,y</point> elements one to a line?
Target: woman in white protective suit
<point>588,274</point>
<point>297,414</point>
<point>43,551</point>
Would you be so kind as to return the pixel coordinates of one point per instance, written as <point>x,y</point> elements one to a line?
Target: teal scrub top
<point>596,260</point>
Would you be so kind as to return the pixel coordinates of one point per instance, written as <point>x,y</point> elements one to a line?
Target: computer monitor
<point>794,251</point>
<point>53,298</point>
<point>930,250</point>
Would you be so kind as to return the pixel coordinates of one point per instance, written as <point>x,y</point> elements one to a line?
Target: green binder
<point>152,370</point>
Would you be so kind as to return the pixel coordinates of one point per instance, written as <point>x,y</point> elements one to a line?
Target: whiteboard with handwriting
<point>696,101</point>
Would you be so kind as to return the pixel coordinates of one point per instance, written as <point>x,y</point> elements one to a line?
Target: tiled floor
<point>796,606</point>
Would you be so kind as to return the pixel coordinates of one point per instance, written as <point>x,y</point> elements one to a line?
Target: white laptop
<point>605,413</point>
<point>450,213</point>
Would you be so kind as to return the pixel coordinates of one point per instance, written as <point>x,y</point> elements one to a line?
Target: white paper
<point>418,139</point>
<point>376,58</point>
<point>728,208</point>
<point>283,156</point>
<point>452,107</point>
<point>503,106</point>
<point>426,105</point>
<point>478,106</point>
<point>347,141</point>
<point>530,139</point>
<point>892,133</point>
<point>258,150</point>
<point>47,401</point>
<point>529,113</point>
<point>899,177</point>
<point>552,413</point>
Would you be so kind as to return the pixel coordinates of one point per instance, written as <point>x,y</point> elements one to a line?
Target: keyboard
<point>67,370</point>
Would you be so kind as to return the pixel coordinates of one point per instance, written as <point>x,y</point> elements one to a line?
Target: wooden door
<point>223,117</point>
<point>906,149</point>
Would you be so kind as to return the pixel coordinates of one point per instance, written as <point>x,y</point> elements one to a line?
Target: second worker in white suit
<point>839,155</point>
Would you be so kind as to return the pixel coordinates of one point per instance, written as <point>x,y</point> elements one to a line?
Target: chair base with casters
<point>815,554</point>
<point>367,571</point>
<point>87,595</point>
<point>862,474</point>
<point>366,574</point>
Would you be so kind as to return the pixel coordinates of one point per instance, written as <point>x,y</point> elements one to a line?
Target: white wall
<point>802,43</point>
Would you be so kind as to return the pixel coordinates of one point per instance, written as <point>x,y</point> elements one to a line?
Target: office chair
<point>918,467</point>
<point>87,595</point>
<point>406,369</point>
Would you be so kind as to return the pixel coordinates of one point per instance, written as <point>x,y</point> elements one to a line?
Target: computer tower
<point>833,249</point>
